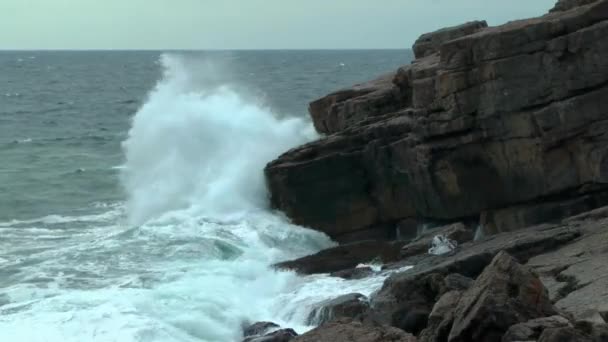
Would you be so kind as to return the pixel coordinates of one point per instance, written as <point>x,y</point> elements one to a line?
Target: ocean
<point>132,199</point>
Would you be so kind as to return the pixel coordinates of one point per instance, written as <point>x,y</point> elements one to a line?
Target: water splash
<point>198,144</point>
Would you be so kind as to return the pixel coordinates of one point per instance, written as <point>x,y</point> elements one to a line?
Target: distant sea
<point>132,200</point>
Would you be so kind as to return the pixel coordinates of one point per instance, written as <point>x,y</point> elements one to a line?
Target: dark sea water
<point>132,205</point>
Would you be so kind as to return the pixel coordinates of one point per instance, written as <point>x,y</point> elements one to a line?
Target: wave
<point>198,144</point>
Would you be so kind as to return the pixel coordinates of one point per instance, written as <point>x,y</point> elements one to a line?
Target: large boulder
<point>504,125</point>
<point>506,293</point>
<point>354,331</point>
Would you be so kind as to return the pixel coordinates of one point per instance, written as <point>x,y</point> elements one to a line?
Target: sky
<point>242,24</point>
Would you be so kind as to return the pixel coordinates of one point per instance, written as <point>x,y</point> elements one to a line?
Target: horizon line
<point>193,49</point>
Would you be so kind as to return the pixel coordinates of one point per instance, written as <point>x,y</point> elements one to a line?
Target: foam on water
<point>187,258</point>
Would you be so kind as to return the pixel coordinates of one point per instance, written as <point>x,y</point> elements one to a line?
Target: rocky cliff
<point>501,127</point>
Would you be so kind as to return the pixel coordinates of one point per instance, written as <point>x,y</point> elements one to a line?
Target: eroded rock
<point>506,293</point>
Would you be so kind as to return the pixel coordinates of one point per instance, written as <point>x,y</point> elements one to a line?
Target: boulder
<point>515,108</point>
<point>354,331</point>
<point>345,257</point>
<point>352,306</point>
<point>506,293</point>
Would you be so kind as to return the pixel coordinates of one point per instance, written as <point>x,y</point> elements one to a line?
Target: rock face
<point>505,125</point>
<point>345,330</point>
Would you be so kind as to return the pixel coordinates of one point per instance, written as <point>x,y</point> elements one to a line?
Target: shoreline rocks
<point>499,137</point>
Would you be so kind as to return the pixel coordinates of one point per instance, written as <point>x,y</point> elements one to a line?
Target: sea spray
<point>197,144</point>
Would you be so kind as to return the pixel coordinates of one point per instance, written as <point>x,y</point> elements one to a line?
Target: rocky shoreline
<point>494,143</point>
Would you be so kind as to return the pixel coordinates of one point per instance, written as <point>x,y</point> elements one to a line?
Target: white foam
<point>193,144</point>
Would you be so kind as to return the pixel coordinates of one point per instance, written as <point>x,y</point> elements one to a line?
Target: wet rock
<point>531,330</point>
<point>345,257</point>
<point>354,331</point>
<point>352,306</point>
<point>259,328</point>
<point>506,293</point>
<point>354,273</point>
<point>282,335</point>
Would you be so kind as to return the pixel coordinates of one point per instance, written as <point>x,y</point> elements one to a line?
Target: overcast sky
<point>241,24</point>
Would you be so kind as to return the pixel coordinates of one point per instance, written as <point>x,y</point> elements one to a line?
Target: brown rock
<point>506,293</point>
<point>353,331</point>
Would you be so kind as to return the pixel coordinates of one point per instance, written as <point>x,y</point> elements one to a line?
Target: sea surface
<point>132,199</point>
